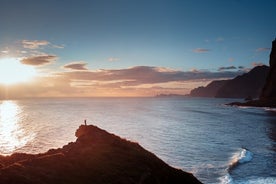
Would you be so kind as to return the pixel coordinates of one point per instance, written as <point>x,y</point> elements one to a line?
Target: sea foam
<point>240,157</point>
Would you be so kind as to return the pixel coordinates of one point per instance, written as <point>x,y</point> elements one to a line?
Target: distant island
<point>170,95</point>
<point>96,157</point>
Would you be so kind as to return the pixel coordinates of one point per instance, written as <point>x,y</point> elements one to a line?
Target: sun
<point>13,72</point>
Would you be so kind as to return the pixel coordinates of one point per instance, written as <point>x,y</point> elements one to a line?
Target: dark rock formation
<point>248,84</point>
<point>268,95</point>
<point>243,86</point>
<point>96,157</point>
<point>210,90</point>
<point>269,90</point>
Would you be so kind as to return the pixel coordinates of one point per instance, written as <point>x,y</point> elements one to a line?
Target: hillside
<point>242,86</point>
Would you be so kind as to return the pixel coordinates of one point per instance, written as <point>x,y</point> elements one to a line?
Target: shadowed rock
<point>269,90</point>
<point>96,157</point>
<point>242,86</point>
<point>210,90</point>
<point>268,94</point>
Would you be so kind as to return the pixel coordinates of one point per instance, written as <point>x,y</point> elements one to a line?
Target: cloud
<point>58,46</point>
<point>194,70</point>
<point>4,51</point>
<point>231,59</point>
<point>39,60</point>
<point>220,39</point>
<point>201,50</point>
<point>34,44</point>
<point>254,64</point>
<point>227,68</point>
<point>144,75</point>
<point>112,59</point>
<point>262,49</point>
<point>134,81</point>
<point>241,67</point>
<point>76,66</point>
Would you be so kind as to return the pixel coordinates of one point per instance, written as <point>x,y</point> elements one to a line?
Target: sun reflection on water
<point>13,135</point>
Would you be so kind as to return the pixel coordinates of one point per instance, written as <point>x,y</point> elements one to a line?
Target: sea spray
<point>240,157</point>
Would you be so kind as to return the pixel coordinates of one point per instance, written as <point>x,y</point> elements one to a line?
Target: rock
<point>268,94</point>
<point>210,90</point>
<point>248,84</point>
<point>96,157</point>
<point>269,90</point>
<point>242,86</point>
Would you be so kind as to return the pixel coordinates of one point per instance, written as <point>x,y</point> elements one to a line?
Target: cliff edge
<point>95,157</point>
<point>246,85</point>
<point>268,94</point>
<point>269,90</point>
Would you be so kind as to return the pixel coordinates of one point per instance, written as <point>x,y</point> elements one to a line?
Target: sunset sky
<point>75,48</point>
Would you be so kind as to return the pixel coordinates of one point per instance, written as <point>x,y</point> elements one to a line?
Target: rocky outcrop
<point>247,85</point>
<point>269,90</point>
<point>96,157</point>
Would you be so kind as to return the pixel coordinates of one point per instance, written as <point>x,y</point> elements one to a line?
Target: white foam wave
<point>269,180</point>
<point>227,179</point>
<point>270,109</point>
<point>240,157</point>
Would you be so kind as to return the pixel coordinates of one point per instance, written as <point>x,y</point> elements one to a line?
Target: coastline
<point>255,103</point>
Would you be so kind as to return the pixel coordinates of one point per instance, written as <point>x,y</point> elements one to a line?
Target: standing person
<point>85,122</point>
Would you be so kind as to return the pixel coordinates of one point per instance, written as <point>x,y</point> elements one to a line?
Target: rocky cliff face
<point>210,90</point>
<point>247,85</point>
<point>268,94</point>
<point>269,90</point>
<point>96,157</point>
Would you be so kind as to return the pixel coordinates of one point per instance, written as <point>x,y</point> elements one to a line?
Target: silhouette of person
<point>85,122</point>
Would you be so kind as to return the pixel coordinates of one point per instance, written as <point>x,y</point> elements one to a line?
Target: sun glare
<point>12,71</point>
<point>13,135</point>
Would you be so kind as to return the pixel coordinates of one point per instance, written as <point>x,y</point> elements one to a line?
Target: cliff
<point>269,90</point>
<point>95,157</point>
<point>248,84</point>
<point>267,97</point>
<point>209,91</point>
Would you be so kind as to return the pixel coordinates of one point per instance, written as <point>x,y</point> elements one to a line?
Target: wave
<point>241,156</point>
<point>227,179</point>
<point>269,180</point>
<point>270,109</point>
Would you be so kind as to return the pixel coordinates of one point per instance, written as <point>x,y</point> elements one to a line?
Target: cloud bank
<point>227,68</point>
<point>39,60</point>
<point>34,44</point>
<point>201,50</point>
<point>79,81</point>
<point>76,66</point>
<point>262,49</point>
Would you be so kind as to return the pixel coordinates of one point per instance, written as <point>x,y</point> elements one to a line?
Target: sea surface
<point>217,143</point>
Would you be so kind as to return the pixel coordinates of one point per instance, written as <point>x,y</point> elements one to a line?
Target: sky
<point>130,47</point>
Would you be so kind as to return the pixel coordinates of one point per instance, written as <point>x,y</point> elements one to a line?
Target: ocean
<point>219,144</point>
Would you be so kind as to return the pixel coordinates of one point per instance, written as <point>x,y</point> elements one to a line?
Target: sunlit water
<point>218,143</point>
